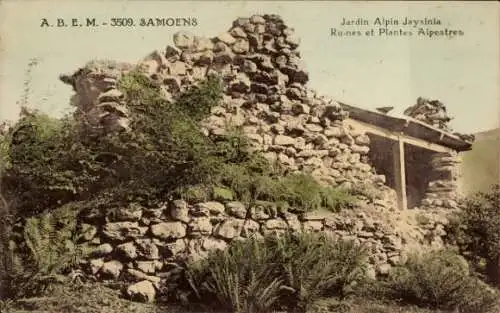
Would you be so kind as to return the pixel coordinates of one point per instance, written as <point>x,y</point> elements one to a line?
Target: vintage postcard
<point>249,156</point>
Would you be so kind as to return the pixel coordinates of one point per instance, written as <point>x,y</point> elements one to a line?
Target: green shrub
<point>438,280</point>
<point>56,161</point>
<point>241,279</point>
<point>300,191</point>
<point>476,231</point>
<point>46,250</point>
<point>314,265</point>
<point>258,275</point>
<point>44,169</point>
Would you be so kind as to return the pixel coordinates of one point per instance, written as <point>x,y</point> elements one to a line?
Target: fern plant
<point>290,271</point>
<point>241,279</point>
<point>312,266</point>
<point>46,252</point>
<point>439,280</point>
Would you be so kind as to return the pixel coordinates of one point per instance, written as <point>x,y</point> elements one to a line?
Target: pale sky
<point>462,72</point>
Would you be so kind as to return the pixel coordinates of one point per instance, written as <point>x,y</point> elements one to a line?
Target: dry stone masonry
<point>266,94</point>
<point>146,246</point>
<point>442,189</point>
<point>443,175</point>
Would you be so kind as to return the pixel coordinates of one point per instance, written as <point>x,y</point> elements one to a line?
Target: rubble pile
<point>433,112</point>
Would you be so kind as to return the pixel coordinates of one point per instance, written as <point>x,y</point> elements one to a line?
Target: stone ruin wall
<point>441,192</point>
<point>266,93</point>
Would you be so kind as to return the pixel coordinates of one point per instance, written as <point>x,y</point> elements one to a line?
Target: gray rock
<point>112,95</point>
<point>210,244</point>
<point>226,38</point>
<point>177,68</point>
<point>121,231</point>
<point>95,265</point>
<point>147,249</point>
<point>215,208</point>
<point>236,209</point>
<point>300,108</point>
<point>88,231</point>
<point>293,221</point>
<point>137,275</point>
<point>282,140</point>
<point>111,269</point>
<point>249,67</point>
<point>143,291</point>
<point>259,213</point>
<point>131,213</point>
<point>315,216</point>
<point>169,230</point>
<point>250,228</point>
<point>362,140</point>
<point>102,250</point>
<point>276,224</point>
<point>203,44</point>
<point>363,150</point>
<point>184,40</point>
<point>148,267</point>
<point>200,226</point>
<point>128,250</point>
<point>223,57</point>
<point>292,40</point>
<point>241,46</point>
<point>241,83</point>
<point>171,52</point>
<point>175,248</point>
<point>230,228</point>
<point>179,211</point>
<point>257,19</point>
<point>238,32</point>
<point>315,128</point>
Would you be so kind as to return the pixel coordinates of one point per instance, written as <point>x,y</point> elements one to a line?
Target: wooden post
<point>400,173</point>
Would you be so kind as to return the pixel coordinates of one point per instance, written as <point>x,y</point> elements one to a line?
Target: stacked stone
<point>432,112</point>
<point>441,190</point>
<point>100,104</point>
<point>265,94</point>
<point>432,227</point>
<point>146,246</point>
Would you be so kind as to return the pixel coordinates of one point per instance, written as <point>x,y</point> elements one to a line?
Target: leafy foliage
<point>56,161</point>
<point>45,249</point>
<point>314,265</point>
<point>476,231</point>
<point>241,279</point>
<point>258,275</point>
<point>439,280</point>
